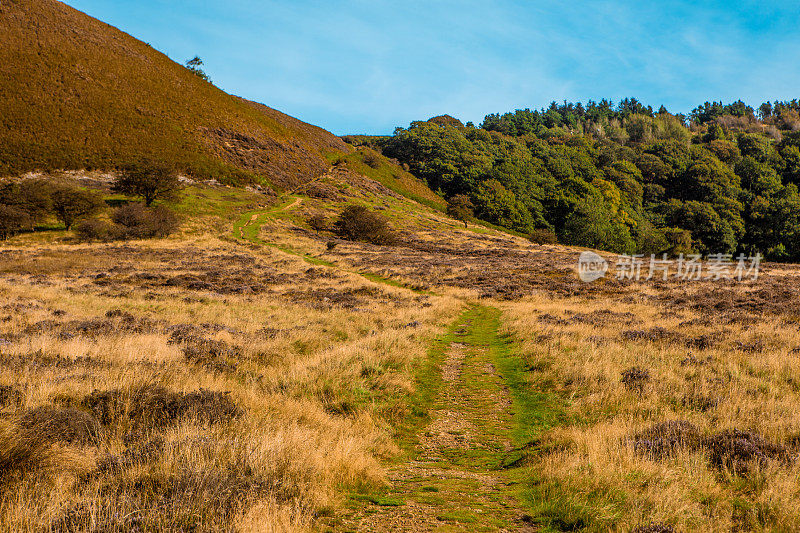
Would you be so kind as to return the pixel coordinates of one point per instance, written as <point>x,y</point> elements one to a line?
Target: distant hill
<point>77,93</point>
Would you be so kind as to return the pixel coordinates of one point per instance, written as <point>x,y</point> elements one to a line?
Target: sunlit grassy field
<point>197,384</point>
<point>680,405</point>
<point>255,373</point>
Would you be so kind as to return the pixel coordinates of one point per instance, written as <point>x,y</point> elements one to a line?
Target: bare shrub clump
<point>94,229</point>
<point>371,159</point>
<point>731,449</point>
<point>318,222</point>
<point>142,453</point>
<point>139,222</point>
<point>358,223</point>
<point>703,342</point>
<point>543,236</point>
<point>158,500</point>
<point>132,221</point>
<point>699,402</point>
<point>655,334</point>
<point>211,354</point>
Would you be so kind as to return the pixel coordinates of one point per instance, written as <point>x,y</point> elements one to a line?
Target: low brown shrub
<point>141,453</point>
<point>140,222</point>
<point>635,378</point>
<point>543,236</point>
<point>318,222</point>
<point>371,159</point>
<point>654,334</point>
<point>731,449</point>
<point>184,500</point>
<point>61,424</point>
<point>9,396</point>
<point>211,354</point>
<point>699,402</point>
<point>157,406</point>
<point>358,223</point>
<point>94,229</point>
<point>666,438</point>
<point>737,451</point>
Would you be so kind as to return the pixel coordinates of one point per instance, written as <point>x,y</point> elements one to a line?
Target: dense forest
<point>623,177</point>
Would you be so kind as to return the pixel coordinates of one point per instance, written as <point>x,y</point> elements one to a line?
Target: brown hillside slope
<point>78,93</point>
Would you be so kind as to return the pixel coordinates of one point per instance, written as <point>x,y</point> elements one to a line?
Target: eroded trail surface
<point>454,480</point>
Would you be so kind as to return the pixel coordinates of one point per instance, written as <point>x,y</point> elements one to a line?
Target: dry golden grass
<point>735,368</point>
<point>313,363</point>
<point>241,388</point>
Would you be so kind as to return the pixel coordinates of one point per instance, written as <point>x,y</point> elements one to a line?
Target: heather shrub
<point>371,159</point>
<point>635,378</point>
<point>61,424</point>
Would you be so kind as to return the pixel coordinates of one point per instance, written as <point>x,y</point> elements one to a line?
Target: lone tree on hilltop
<point>460,207</point>
<point>71,204</point>
<point>194,65</point>
<point>149,180</point>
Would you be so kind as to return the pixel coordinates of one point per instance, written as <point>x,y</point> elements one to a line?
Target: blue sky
<point>366,66</point>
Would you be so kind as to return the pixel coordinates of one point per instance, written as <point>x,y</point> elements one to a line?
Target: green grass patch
<point>377,167</point>
<point>428,377</point>
<point>197,201</point>
<point>561,505</point>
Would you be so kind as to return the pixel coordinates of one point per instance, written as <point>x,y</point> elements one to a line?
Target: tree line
<point>621,177</point>
<point>29,202</point>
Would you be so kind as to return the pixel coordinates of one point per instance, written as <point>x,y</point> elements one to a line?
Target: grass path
<point>452,476</point>
<point>248,228</point>
<point>474,422</point>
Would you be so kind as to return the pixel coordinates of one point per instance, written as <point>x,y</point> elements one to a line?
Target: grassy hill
<point>77,93</point>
